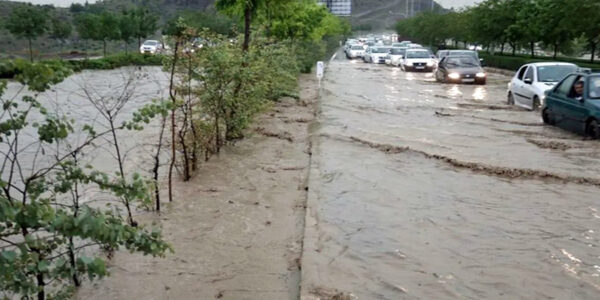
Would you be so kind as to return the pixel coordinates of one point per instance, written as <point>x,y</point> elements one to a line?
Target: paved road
<point>421,190</point>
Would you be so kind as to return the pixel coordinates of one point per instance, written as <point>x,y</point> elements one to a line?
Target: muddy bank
<point>237,226</point>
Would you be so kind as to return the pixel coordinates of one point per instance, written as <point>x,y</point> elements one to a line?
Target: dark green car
<point>574,104</point>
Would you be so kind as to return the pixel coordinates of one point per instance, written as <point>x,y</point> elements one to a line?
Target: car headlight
<point>429,63</point>
<point>454,76</point>
<point>409,63</point>
<point>480,75</point>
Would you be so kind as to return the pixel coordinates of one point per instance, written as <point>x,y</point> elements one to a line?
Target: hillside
<point>383,14</point>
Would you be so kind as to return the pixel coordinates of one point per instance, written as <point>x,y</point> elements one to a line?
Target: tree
<point>108,29</point>
<point>247,8</point>
<point>557,31</point>
<point>45,228</point>
<point>127,27</point>
<point>87,26</point>
<point>60,30</point>
<point>29,22</point>
<point>145,24</point>
<point>588,23</point>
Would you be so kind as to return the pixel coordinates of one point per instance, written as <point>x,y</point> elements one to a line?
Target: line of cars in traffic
<point>451,66</point>
<point>568,96</point>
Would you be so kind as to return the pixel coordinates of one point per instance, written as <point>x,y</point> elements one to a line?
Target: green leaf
<point>9,256</point>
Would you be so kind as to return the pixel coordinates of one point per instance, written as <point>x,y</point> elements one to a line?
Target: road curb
<point>309,271</point>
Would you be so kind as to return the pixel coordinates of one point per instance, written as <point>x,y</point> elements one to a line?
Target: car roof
<point>541,64</point>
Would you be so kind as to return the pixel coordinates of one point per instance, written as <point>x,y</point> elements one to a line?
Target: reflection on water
<point>479,93</point>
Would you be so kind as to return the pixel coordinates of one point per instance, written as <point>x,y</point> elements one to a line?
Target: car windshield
<point>595,87</point>
<point>357,47</point>
<point>397,45</point>
<point>396,51</point>
<point>464,61</point>
<point>417,54</point>
<point>150,43</point>
<point>554,73</point>
<point>463,53</point>
<point>381,50</point>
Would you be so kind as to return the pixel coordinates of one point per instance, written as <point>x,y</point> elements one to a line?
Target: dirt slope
<point>236,227</point>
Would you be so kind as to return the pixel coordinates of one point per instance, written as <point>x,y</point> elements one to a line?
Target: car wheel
<point>511,99</point>
<point>547,116</point>
<point>536,103</point>
<point>592,129</point>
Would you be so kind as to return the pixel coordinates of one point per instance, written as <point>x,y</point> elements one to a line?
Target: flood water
<point>81,98</point>
<point>440,191</point>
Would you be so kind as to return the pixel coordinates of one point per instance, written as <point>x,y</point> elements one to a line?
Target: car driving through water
<point>574,104</point>
<point>418,60</point>
<point>460,69</point>
<point>528,86</point>
<point>376,54</point>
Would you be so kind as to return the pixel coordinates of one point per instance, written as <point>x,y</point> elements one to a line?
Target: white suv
<point>150,47</point>
<point>527,87</point>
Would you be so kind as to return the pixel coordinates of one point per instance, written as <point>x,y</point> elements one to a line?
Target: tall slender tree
<point>29,22</point>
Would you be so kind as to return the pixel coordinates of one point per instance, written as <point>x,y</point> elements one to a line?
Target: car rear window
<point>357,48</point>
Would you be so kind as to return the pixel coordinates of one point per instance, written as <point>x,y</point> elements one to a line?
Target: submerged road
<point>421,190</point>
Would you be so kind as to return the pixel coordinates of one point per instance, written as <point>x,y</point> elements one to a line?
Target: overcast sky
<point>65,3</point>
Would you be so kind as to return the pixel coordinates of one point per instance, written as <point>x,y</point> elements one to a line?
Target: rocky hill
<point>382,14</point>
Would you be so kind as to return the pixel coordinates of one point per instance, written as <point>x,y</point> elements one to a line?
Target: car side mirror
<point>482,62</point>
<point>528,80</point>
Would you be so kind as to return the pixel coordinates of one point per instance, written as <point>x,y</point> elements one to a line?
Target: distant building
<point>338,7</point>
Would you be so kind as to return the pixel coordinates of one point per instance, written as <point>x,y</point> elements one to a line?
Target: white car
<point>527,87</point>
<point>356,51</point>
<point>418,60</point>
<point>394,58</point>
<point>376,54</point>
<point>150,47</point>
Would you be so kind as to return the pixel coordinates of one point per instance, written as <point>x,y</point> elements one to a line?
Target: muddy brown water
<point>421,190</point>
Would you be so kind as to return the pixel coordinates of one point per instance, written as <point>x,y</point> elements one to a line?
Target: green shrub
<point>8,69</point>
<point>513,63</point>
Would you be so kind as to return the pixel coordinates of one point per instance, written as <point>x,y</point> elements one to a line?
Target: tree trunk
<point>104,46</point>
<point>247,21</point>
<point>532,45</point>
<point>139,42</point>
<point>30,51</point>
<point>41,295</point>
<point>593,45</point>
<point>514,49</point>
<point>157,163</point>
<point>125,47</point>
<point>502,48</point>
<point>555,51</point>
<point>172,95</point>
<point>74,276</point>
<point>121,168</point>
